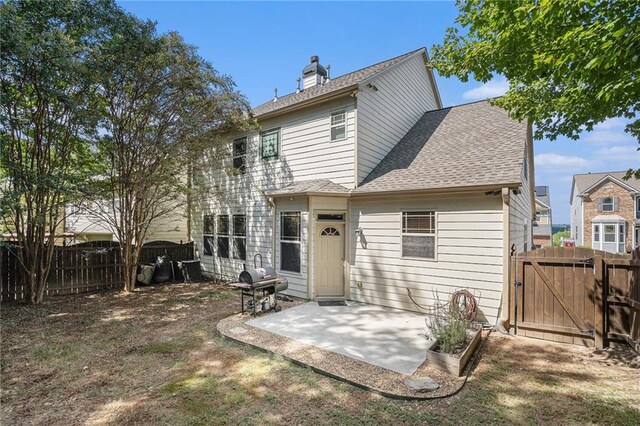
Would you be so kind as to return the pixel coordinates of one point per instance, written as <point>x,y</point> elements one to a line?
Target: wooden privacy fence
<point>576,295</point>
<point>94,265</point>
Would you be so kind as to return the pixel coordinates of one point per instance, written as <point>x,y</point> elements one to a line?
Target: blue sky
<point>264,45</point>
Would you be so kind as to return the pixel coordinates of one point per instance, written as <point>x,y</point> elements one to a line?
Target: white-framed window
<point>240,155</point>
<point>419,234</point>
<point>338,125</point>
<point>290,241</point>
<point>207,234</point>
<point>609,237</point>
<point>270,144</point>
<point>240,236</point>
<point>607,204</point>
<point>609,232</point>
<point>222,236</point>
<point>637,207</point>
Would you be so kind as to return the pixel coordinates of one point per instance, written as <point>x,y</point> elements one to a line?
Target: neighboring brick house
<point>605,211</point>
<point>542,226</point>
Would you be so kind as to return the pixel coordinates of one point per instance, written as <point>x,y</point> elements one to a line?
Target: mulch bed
<point>377,379</point>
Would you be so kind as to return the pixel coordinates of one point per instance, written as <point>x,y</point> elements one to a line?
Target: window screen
<point>240,155</point>
<point>419,234</point>
<point>290,241</point>
<point>338,126</point>
<point>239,237</point>
<point>207,234</point>
<point>270,144</point>
<point>222,236</point>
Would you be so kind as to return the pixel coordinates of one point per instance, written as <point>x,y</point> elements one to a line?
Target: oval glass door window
<point>329,231</point>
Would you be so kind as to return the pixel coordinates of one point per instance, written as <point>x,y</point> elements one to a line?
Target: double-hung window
<point>239,236</point>
<point>419,234</point>
<point>240,155</point>
<point>207,234</point>
<point>222,237</point>
<point>270,144</point>
<point>338,125</point>
<point>596,233</point>
<point>637,207</point>
<point>290,241</point>
<point>607,204</point>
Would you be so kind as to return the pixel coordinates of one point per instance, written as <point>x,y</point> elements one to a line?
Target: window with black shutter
<point>419,234</point>
<point>290,241</point>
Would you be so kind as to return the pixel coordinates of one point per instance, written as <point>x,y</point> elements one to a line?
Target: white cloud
<point>490,89</point>
<point>556,161</point>
<point>618,153</point>
<point>607,136</point>
<point>610,123</point>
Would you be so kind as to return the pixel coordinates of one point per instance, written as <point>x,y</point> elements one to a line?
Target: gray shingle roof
<point>541,230</point>
<point>542,194</point>
<point>311,186</point>
<point>585,181</point>
<point>467,145</point>
<point>332,85</point>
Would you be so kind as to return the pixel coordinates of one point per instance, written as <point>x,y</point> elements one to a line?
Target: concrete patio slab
<point>385,337</point>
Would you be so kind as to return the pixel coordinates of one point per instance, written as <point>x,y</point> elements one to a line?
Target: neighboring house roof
<point>585,182</point>
<point>542,194</point>
<point>475,144</point>
<point>334,85</point>
<point>541,229</point>
<point>314,186</point>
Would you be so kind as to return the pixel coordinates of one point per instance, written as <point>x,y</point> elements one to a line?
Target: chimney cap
<point>314,68</point>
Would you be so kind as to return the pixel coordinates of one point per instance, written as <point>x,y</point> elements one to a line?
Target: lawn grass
<point>153,357</point>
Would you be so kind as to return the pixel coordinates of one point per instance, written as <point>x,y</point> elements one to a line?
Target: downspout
<point>503,319</point>
<point>272,204</point>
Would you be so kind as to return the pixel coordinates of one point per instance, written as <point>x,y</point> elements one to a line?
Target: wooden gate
<point>575,295</point>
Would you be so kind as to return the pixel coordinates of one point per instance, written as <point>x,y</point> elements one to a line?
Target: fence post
<point>600,299</point>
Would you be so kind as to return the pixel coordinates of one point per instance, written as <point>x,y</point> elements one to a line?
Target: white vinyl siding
<point>306,153</point>
<point>468,245</point>
<point>576,217</point>
<point>521,215</point>
<point>384,116</point>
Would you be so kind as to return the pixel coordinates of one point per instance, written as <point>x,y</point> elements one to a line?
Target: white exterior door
<point>329,260</point>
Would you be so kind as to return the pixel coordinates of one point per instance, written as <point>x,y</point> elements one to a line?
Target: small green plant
<point>450,329</point>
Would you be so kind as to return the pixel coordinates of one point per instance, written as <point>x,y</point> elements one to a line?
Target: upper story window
<point>270,144</point>
<point>240,236</point>
<point>608,204</point>
<point>222,236</point>
<point>207,234</point>
<point>290,241</point>
<point>637,207</point>
<point>419,234</point>
<point>525,167</point>
<point>338,125</point>
<point>240,155</point>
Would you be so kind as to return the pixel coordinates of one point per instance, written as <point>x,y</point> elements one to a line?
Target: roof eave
<point>444,190</point>
<point>310,194</point>
<point>309,102</point>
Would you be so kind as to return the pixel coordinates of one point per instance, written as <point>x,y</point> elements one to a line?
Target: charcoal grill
<point>260,284</point>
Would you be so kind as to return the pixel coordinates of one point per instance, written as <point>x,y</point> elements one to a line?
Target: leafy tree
<point>559,235</point>
<point>47,120</point>
<point>164,106</point>
<point>570,63</point>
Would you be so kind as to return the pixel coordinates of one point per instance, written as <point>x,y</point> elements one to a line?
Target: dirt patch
<point>153,357</point>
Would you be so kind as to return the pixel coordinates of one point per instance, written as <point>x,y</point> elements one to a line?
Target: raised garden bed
<point>453,363</point>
